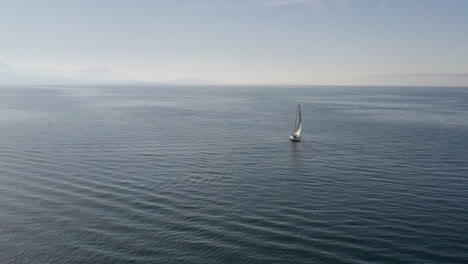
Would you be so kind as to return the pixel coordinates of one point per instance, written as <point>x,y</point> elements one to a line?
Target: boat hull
<point>294,139</point>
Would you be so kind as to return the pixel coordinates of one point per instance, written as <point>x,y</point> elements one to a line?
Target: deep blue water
<point>208,175</point>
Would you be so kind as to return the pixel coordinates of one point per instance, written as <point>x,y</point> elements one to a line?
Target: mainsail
<point>298,124</point>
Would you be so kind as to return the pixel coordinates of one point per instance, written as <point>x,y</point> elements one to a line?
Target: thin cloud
<point>317,4</point>
<point>383,6</point>
<point>207,4</point>
<point>344,4</point>
<point>289,2</point>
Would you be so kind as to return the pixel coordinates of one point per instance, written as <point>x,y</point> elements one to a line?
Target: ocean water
<point>114,174</point>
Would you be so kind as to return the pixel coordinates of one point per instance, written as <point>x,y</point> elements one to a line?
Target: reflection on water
<point>297,150</point>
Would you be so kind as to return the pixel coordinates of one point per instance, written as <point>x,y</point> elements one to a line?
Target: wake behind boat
<point>296,135</point>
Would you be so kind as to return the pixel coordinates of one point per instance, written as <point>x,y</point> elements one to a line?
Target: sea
<point>207,174</point>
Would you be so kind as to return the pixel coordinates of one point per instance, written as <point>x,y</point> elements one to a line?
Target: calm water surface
<point>208,175</point>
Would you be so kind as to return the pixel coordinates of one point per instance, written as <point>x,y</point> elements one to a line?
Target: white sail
<point>298,124</point>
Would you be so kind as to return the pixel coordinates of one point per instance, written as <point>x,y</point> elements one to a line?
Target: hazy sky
<point>238,41</point>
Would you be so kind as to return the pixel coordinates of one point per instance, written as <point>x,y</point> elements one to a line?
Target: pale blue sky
<point>239,41</point>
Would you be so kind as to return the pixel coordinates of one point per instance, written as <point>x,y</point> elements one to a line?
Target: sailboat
<point>296,134</point>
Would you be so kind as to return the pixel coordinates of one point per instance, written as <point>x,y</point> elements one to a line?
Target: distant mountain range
<point>24,75</point>
<point>421,79</point>
<point>190,81</point>
<point>11,75</point>
<point>42,76</point>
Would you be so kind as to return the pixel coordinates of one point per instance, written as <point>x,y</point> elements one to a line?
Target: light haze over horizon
<point>331,42</point>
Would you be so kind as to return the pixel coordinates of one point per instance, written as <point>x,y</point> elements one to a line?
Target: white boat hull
<point>294,139</point>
